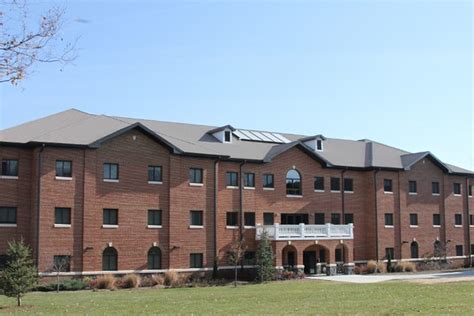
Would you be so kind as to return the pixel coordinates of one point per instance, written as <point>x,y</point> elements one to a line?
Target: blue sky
<point>398,72</point>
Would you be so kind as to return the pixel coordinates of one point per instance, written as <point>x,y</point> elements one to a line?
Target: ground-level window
<point>3,261</point>
<point>232,219</point>
<point>62,263</point>
<point>389,253</point>
<point>414,250</point>
<point>154,258</point>
<point>109,259</point>
<point>268,218</point>
<point>319,219</point>
<point>436,220</point>
<point>249,219</point>
<point>388,219</point>
<point>7,215</point>
<point>335,218</point>
<point>348,218</point>
<point>459,250</point>
<point>196,260</point>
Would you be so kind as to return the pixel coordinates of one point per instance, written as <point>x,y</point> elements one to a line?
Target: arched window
<point>293,182</point>
<point>109,259</point>
<point>154,258</point>
<point>414,250</point>
<point>437,248</point>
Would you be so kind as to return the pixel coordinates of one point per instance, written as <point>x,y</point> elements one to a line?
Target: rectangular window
<point>7,215</point>
<point>413,219</point>
<point>195,260</point>
<point>319,183</point>
<point>459,250</point>
<point>154,217</point>
<point>348,185</point>
<point>64,168</point>
<point>319,219</point>
<point>469,190</point>
<point>335,184</point>
<point>457,188</point>
<point>436,220</point>
<point>348,218</point>
<point>62,263</point>
<point>62,215</point>
<point>249,180</point>
<point>268,180</point>
<point>388,219</point>
<point>412,186</point>
<point>195,175</point>
<point>389,253</point>
<point>249,258</point>
<point>232,219</point>
<point>435,187</point>
<point>155,174</point>
<point>196,218</point>
<point>3,261</point>
<point>227,138</point>
<point>458,219</point>
<point>10,167</point>
<point>268,218</point>
<point>232,179</point>
<point>387,185</point>
<point>110,216</point>
<point>319,144</point>
<point>471,217</point>
<point>249,219</point>
<point>335,218</point>
<point>111,171</point>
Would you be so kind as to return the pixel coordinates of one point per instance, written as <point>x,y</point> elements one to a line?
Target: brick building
<point>120,194</point>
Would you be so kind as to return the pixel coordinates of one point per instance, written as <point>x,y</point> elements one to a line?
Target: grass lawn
<point>290,297</point>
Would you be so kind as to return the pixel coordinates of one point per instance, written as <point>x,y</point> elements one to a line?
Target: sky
<point>397,72</point>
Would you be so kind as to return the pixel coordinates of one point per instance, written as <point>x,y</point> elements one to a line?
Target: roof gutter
<point>38,201</point>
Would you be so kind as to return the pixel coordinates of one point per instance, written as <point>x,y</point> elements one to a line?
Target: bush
<point>67,285</point>
<point>289,275</point>
<point>405,266</point>
<point>371,266</point>
<point>381,267</point>
<point>171,278</point>
<point>130,281</point>
<point>357,270</point>
<point>105,282</point>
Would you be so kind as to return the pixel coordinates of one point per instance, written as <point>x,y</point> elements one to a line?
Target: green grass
<point>290,297</point>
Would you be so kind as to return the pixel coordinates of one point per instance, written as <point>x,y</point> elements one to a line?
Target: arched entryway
<point>414,250</point>
<point>290,258</point>
<point>154,258</point>
<point>314,257</point>
<point>109,259</point>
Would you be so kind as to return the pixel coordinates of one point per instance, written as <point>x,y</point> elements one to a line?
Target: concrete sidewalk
<point>375,278</point>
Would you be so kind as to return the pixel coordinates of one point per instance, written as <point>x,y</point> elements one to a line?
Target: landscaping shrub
<point>371,266</point>
<point>130,281</point>
<point>381,267</point>
<point>157,279</point>
<point>357,270</point>
<point>289,275</point>
<point>67,285</point>
<point>171,278</point>
<point>105,282</point>
<point>405,266</point>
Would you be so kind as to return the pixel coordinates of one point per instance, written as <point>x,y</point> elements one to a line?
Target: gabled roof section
<point>218,129</point>
<point>409,160</point>
<point>319,136</point>
<point>280,149</point>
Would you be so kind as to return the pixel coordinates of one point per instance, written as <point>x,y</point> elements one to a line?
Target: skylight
<point>257,136</point>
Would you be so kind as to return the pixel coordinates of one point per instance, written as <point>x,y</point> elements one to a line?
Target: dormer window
<point>223,134</point>
<point>227,137</point>
<point>314,142</point>
<point>319,144</point>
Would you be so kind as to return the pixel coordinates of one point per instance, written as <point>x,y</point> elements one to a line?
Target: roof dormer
<point>223,134</point>
<point>316,143</point>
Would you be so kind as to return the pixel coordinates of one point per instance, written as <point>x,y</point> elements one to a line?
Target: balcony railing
<point>306,232</point>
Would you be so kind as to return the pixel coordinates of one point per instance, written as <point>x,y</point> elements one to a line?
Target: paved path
<point>374,278</point>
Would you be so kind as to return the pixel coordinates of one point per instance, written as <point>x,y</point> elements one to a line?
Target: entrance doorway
<point>309,261</point>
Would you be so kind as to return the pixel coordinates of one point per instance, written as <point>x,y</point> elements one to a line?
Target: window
<point>438,250</point>
<point>457,188</point>
<point>319,183</point>
<point>335,218</point>
<point>109,259</point>
<point>3,261</point>
<point>387,185</point>
<point>232,219</point>
<point>268,218</point>
<point>249,180</point>
<point>62,216</point>
<point>195,260</point>
<point>7,215</point>
<point>412,187</point>
<point>232,179</point>
<point>196,218</point>
<point>293,182</point>
<point>10,167</point>
<point>459,250</point>
<point>249,219</point>
<point>110,216</point>
<point>195,175</point>
<point>348,218</point>
<point>436,220</point>
<point>268,180</point>
<point>111,171</point>
<point>154,258</point>
<point>471,219</point>
<point>155,174</point>
<point>154,217</point>
<point>389,252</point>
<point>414,250</point>
<point>458,219</point>
<point>335,184</point>
<point>319,144</point>
<point>62,263</point>
<point>348,185</point>
<point>435,187</point>
<point>413,219</point>
<point>388,219</point>
<point>469,190</point>
<point>227,137</point>
<point>319,219</point>
<point>64,168</point>
<point>249,258</point>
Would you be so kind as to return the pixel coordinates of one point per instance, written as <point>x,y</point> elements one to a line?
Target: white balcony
<point>306,232</point>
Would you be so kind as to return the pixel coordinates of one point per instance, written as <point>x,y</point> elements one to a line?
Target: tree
<point>237,250</point>
<point>26,40</point>
<point>61,264</point>
<point>265,257</point>
<point>19,275</point>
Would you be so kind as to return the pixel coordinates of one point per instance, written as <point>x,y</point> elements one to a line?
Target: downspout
<point>399,242</point>
<point>83,207</point>
<point>468,221</point>
<point>376,217</point>
<point>241,202</point>
<point>38,200</point>
<point>342,197</point>
<point>216,173</point>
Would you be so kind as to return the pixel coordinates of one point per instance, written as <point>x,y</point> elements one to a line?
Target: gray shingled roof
<point>73,127</point>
